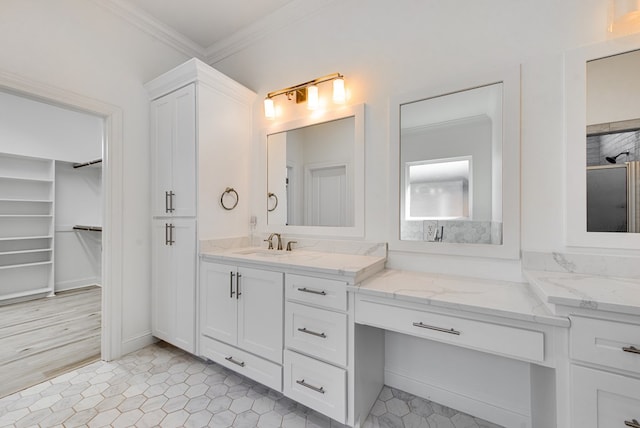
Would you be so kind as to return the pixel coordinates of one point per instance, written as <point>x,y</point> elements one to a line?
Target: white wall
<point>79,46</point>
<point>78,201</point>
<point>388,48</point>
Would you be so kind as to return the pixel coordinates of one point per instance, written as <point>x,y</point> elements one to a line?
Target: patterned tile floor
<point>164,386</point>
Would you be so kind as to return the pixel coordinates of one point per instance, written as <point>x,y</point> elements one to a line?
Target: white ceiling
<point>207,22</point>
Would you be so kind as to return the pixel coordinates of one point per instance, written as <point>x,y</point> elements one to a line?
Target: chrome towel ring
<point>226,191</point>
<point>275,205</point>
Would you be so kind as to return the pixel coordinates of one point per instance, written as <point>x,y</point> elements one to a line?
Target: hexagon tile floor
<point>166,387</point>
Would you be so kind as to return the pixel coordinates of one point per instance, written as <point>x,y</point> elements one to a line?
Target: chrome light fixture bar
<point>307,91</point>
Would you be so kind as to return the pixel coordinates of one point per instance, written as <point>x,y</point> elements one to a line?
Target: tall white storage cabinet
<point>200,137</point>
<point>26,227</point>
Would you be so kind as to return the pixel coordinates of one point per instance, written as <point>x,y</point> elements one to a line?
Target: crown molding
<point>153,27</point>
<point>292,12</point>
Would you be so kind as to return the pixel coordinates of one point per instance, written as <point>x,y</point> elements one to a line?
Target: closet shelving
<point>26,226</point>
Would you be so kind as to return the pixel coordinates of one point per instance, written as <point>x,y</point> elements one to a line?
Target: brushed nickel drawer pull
<point>236,362</point>
<point>314,388</point>
<point>308,290</point>
<point>631,349</point>
<point>430,327</point>
<point>632,423</point>
<point>231,292</point>
<point>313,333</point>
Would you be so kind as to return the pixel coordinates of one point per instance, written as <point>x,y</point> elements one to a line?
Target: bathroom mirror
<point>602,122</point>
<point>315,175</point>
<point>456,159</point>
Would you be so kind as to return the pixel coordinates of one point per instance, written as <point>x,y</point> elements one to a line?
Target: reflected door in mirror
<point>310,174</point>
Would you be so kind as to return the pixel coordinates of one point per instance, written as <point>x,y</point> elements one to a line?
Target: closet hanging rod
<point>89,228</point>
<point>80,165</point>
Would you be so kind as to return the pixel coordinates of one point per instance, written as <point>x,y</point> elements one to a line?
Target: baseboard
<point>77,283</point>
<point>469,405</point>
<point>138,342</point>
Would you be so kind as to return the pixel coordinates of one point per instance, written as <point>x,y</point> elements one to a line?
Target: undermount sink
<point>261,252</point>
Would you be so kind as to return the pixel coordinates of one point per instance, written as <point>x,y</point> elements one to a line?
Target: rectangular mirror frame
<point>575,187</point>
<point>510,248</point>
<point>356,231</point>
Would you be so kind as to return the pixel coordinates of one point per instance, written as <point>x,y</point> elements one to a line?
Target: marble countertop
<point>621,295</point>
<point>352,267</point>
<point>497,298</point>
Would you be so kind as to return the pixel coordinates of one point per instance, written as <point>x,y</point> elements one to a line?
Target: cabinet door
<point>173,148</point>
<point>603,400</point>
<point>183,277</point>
<point>173,282</point>
<point>260,312</point>
<point>218,302</point>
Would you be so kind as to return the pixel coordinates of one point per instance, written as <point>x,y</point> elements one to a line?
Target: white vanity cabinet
<point>200,139</point>
<point>605,372</point>
<point>173,277</point>
<point>173,151</point>
<point>241,319</point>
<point>316,340</point>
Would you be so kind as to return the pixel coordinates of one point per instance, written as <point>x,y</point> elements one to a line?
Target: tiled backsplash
<point>590,264</point>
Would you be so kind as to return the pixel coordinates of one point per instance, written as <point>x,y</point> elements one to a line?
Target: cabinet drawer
<point>317,291</point>
<point>604,342</point>
<point>499,339</point>
<point>315,384</point>
<point>603,400</point>
<point>317,332</point>
<point>249,365</point>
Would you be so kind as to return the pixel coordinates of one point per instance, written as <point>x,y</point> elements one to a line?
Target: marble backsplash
<point>589,264</point>
<point>364,248</point>
<point>456,231</point>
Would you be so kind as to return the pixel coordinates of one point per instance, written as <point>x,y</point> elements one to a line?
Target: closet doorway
<point>51,210</point>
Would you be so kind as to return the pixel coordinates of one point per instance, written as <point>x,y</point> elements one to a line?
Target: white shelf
<point>25,265</point>
<point>47,201</point>
<point>39,180</point>
<point>25,215</point>
<point>22,238</point>
<point>25,293</point>
<point>35,250</point>
<point>26,225</point>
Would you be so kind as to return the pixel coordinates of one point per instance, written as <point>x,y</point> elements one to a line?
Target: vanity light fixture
<point>307,91</point>
<point>624,16</point>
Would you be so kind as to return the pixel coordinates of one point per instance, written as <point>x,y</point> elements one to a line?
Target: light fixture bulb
<point>339,95</point>
<point>269,109</point>
<point>312,97</point>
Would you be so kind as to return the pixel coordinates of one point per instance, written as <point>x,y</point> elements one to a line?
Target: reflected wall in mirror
<point>451,167</point>
<point>310,175</point>
<point>613,143</point>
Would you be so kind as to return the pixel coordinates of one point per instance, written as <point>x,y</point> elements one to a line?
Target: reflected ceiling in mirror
<point>451,167</point>
<point>311,176</point>
<point>613,143</point>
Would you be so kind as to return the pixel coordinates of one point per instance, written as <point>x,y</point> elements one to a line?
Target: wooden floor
<point>43,338</point>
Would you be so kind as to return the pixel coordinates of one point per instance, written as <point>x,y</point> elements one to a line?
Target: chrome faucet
<point>270,241</point>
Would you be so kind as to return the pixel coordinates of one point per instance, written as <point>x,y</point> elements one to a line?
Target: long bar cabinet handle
<point>308,290</point>
<point>631,349</point>
<point>231,292</point>
<point>171,227</point>
<point>313,333</point>
<point>431,327</point>
<point>313,388</point>
<point>234,361</point>
<point>632,423</point>
<point>166,201</point>
<point>171,195</point>
<point>238,293</point>
<point>166,234</point>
